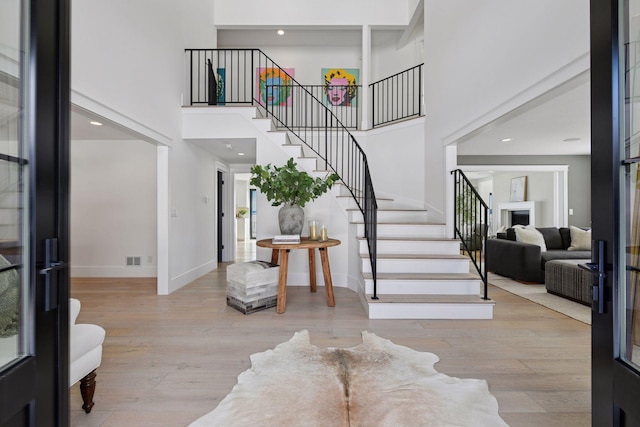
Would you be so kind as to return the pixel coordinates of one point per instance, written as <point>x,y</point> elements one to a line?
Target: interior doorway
<point>219,209</point>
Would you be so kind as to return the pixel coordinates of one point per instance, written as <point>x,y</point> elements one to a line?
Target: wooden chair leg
<point>87,388</point>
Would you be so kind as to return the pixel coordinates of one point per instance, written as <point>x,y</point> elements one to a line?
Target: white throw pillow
<point>532,236</point>
<point>580,239</point>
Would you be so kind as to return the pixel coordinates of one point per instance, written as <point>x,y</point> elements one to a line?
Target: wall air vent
<point>133,261</point>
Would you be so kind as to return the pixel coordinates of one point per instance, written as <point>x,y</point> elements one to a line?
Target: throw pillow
<point>580,239</point>
<point>552,237</point>
<point>531,236</point>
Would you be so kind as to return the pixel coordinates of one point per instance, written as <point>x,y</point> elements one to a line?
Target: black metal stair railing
<point>250,77</point>
<point>397,97</point>
<point>471,223</point>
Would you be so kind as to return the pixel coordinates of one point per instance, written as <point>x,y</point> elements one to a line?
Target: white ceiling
<point>537,128</point>
<point>556,123</point>
<point>83,130</point>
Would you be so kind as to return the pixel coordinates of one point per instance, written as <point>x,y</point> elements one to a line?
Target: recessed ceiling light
<point>280,32</point>
<point>505,140</point>
<point>93,122</point>
<point>240,154</point>
<point>572,139</point>
<point>228,146</point>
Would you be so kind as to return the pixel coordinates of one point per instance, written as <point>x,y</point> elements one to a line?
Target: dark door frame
<point>615,386</point>
<point>35,391</point>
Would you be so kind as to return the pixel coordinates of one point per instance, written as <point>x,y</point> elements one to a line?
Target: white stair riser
<point>392,216</point>
<point>410,247</point>
<point>279,137</point>
<point>341,190</point>
<point>264,125</point>
<point>407,230</point>
<point>308,164</point>
<point>424,287</point>
<point>294,151</point>
<point>430,311</point>
<point>386,265</point>
<point>349,204</point>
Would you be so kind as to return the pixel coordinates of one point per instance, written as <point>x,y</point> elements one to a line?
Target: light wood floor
<point>170,359</point>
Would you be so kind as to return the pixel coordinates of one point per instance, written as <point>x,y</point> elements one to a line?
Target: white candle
<point>323,232</point>
<point>313,230</point>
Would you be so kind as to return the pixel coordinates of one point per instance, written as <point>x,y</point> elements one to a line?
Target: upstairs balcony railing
<point>471,223</point>
<point>250,77</point>
<point>397,97</point>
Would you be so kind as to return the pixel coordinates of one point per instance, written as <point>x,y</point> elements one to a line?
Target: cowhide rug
<point>376,383</point>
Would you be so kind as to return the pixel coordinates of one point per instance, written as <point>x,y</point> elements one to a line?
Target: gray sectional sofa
<point>524,261</point>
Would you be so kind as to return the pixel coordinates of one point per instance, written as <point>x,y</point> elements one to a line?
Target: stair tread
<point>432,299</point>
<point>454,257</point>
<point>414,239</point>
<point>393,210</point>
<point>402,223</point>
<point>423,276</point>
<point>351,197</point>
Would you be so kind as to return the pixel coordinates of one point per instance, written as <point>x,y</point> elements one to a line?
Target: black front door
<point>615,183</point>
<point>34,291</point>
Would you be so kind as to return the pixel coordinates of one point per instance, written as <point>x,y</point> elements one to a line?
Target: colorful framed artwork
<point>340,86</point>
<point>274,85</point>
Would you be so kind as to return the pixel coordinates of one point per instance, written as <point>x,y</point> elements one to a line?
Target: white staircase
<point>420,271</point>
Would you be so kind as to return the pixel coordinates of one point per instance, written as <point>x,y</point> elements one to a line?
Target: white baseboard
<point>183,279</point>
<point>113,271</point>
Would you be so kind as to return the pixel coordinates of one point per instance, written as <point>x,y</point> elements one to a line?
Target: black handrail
<point>471,223</point>
<point>397,97</point>
<point>249,76</point>
<point>344,109</point>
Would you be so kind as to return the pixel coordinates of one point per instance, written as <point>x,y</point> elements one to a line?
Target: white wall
<point>539,190</point>
<point>308,61</point>
<point>395,155</point>
<point>485,58</point>
<point>388,59</point>
<point>129,56</point>
<point>329,12</point>
<point>128,61</point>
<point>113,208</point>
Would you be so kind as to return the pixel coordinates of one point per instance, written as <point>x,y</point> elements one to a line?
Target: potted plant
<point>292,188</point>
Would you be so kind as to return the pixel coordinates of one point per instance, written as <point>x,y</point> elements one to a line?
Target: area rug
<point>538,294</point>
<point>376,383</point>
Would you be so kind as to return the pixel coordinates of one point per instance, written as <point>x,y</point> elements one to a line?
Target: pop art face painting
<point>340,86</point>
<point>274,85</point>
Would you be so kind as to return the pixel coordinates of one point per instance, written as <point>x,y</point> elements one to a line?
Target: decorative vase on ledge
<point>291,219</point>
<point>291,188</point>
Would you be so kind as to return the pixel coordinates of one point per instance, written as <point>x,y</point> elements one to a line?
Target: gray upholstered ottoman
<point>564,278</point>
<point>252,286</point>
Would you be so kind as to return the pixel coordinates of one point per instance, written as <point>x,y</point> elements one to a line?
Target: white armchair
<point>85,354</point>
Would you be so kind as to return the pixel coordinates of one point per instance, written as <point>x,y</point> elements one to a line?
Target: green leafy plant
<point>288,185</point>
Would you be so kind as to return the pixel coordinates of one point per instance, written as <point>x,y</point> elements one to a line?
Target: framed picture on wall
<point>518,189</point>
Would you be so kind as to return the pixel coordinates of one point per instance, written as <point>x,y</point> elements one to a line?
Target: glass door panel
<point>14,327</point>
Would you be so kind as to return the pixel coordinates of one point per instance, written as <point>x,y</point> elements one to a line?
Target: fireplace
<point>512,213</point>
<point>520,217</point>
